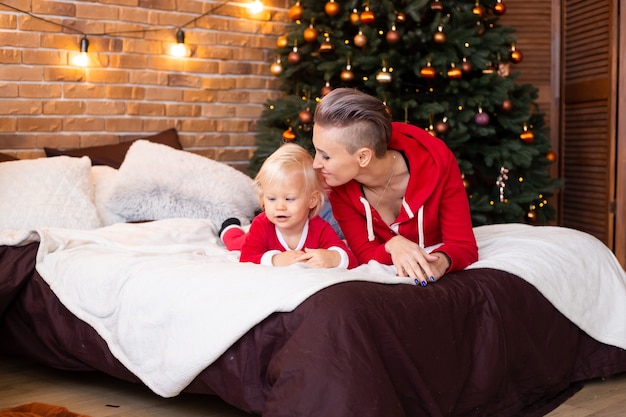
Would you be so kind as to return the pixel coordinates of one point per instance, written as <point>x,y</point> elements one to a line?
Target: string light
<point>82,60</point>
<point>180,49</point>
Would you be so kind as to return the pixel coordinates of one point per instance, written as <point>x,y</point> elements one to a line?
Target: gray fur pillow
<point>157,182</point>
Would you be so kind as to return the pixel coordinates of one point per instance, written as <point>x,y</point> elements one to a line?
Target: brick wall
<point>131,86</point>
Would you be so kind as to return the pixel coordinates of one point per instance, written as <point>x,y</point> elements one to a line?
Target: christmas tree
<point>444,65</point>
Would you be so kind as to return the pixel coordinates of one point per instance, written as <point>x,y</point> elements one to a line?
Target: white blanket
<point>168,299</point>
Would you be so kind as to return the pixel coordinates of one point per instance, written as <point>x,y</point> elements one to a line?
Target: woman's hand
<point>410,260</point>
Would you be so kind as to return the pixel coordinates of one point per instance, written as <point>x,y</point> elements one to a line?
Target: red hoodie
<point>435,208</point>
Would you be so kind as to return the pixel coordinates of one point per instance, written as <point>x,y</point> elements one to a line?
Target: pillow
<point>113,155</point>
<point>103,177</point>
<point>157,182</point>
<point>47,192</point>
<point>4,157</point>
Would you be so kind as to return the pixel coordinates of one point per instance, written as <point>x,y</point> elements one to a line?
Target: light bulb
<point>255,7</point>
<point>82,60</point>
<point>179,49</point>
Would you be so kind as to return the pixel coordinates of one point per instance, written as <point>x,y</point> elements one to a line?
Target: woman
<point>397,191</point>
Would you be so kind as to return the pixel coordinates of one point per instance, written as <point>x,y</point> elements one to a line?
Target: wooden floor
<point>97,395</point>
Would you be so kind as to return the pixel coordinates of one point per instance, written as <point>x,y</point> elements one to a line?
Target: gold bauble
<point>282,42</point>
<point>276,68</point>
<point>347,75</point>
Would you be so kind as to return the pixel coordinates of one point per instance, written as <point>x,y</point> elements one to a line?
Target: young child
<point>289,229</point>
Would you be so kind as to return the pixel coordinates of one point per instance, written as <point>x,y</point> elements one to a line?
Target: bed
<point>149,295</point>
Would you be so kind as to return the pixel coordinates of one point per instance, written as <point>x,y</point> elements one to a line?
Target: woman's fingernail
<point>424,283</point>
<point>417,281</point>
<point>432,279</point>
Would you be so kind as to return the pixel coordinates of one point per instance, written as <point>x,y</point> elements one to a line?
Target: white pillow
<point>103,177</point>
<point>156,182</point>
<point>47,192</point>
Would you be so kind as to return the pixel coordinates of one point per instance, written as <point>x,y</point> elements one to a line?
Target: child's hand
<point>320,258</point>
<point>287,258</point>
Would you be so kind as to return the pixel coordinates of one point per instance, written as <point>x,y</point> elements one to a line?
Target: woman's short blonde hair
<point>288,159</point>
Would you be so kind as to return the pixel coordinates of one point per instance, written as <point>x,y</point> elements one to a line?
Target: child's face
<point>288,204</point>
<point>336,165</point>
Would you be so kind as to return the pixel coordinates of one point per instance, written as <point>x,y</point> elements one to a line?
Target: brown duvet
<point>478,343</point>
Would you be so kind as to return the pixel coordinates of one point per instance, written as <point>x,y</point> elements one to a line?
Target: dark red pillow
<point>113,155</point>
<point>4,157</point>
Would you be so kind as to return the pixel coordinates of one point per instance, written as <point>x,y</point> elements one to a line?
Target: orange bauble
<point>282,42</point>
<point>455,73</point>
<point>428,71</point>
<point>310,34</point>
<point>367,16</point>
<point>332,8</point>
<point>289,135</point>
<point>527,136</point>
<point>347,75</point>
<point>295,12</point>
<point>551,156</point>
<point>516,56</point>
<point>499,8</point>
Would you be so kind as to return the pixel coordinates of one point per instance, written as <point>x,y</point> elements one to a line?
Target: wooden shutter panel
<point>588,140</point>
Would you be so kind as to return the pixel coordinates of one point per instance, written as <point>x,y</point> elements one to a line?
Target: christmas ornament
<point>347,75</point>
<point>360,40</point>
<point>489,69</point>
<point>478,10</point>
<point>282,42</point>
<point>295,11</point>
<point>367,16</point>
<point>436,6</point>
<point>480,28</point>
<point>466,66</point>
<point>551,156</point>
<point>327,46</point>
<point>439,36</point>
<point>332,8</point>
<point>383,76</point>
<point>400,17</point>
<point>501,182</point>
<point>428,71</point>
<point>527,136</point>
<point>481,118</point>
<point>277,67</point>
<point>326,89</point>
<point>499,8</point>
<point>431,130</point>
<point>531,215</point>
<point>294,56</point>
<point>393,36</point>
<point>454,72</point>
<point>310,33</point>
<point>442,127</point>
<point>516,56</point>
<point>306,116</point>
<point>289,135</point>
<point>355,19</point>
<point>504,69</point>
<point>507,105</point>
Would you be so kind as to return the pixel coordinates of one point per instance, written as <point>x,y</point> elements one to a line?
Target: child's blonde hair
<point>285,161</point>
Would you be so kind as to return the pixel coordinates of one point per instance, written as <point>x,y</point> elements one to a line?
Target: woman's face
<point>332,159</point>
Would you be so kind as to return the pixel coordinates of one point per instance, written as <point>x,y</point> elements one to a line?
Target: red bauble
<point>436,6</point>
<point>306,116</point>
<point>442,127</point>
<point>393,36</point>
<point>506,105</point>
<point>294,57</point>
<point>327,46</point>
<point>332,8</point>
<point>466,66</point>
<point>326,89</point>
<point>527,136</point>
